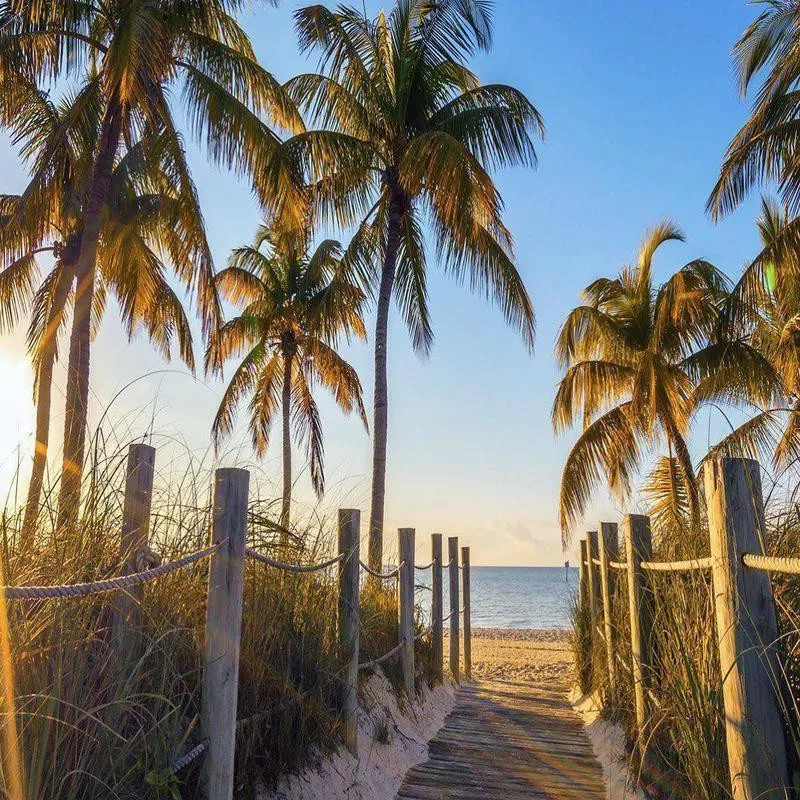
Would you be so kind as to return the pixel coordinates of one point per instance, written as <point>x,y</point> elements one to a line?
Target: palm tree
<point>764,309</point>
<point>413,135</point>
<point>630,354</point>
<point>766,147</point>
<point>140,55</point>
<point>128,260</point>
<point>295,305</point>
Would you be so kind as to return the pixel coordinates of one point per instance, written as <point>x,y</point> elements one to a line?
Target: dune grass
<point>92,725</point>
<point>685,746</point>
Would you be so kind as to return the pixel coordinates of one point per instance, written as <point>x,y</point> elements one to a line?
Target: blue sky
<point>639,102</point>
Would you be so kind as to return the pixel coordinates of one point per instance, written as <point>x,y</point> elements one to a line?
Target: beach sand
<point>538,656</point>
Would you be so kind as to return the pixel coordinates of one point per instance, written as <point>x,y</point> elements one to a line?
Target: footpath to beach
<point>512,734</point>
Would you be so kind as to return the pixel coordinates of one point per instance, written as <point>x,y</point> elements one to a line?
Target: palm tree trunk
<point>288,357</point>
<point>381,397</point>
<point>685,461</point>
<point>44,389</point>
<point>77,398</point>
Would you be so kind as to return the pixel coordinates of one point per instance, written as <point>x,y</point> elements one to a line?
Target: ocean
<point>515,597</point>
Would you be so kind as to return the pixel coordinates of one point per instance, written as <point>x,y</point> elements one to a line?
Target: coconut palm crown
<point>632,354</point>
<point>764,308</point>
<point>295,306</point>
<point>766,147</point>
<point>139,58</point>
<point>413,137</point>
<point>142,214</point>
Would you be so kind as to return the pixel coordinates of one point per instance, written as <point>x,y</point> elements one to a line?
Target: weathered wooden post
<point>608,552</point>
<point>455,610</point>
<point>592,581</point>
<point>583,586</point>
<point>406,611</point>
<point>347,620</point>
<point>638,548</point>
<point>467,612</point>
<point>747,631</point>
<point>135,530</point>
<point>437,634</point>
<point>224,629</point>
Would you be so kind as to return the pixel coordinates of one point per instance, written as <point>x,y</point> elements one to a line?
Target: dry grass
<point>685,746</point>
<point>92,726</point>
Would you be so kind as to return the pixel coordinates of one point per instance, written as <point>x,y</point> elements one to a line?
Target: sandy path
<point>538,656</point>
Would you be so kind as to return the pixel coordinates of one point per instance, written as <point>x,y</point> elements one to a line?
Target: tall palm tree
<point>295,306</point>
<point>128,260</point>
<point>141,55</point>
<point>767,146</point>
<point>414,136</point>
<point>764,309</point>
<point>630,354</point>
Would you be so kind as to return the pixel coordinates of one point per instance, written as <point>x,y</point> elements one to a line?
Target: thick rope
<point>188,757</point>
<point>382,576</point>
<point>195,752</point>
<point>596,561</point>
<point>385,657</point>
<point>618,564</point>
<point>108,585</point>
<point>678,566</point>
<point>448,617</point>
<point>424,567</point>
<point>788,566</point>
<point>423,633</point>
<point>256,556</point>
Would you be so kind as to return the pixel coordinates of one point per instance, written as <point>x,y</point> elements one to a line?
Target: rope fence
<point>381,659</point>
<point>744,610</point>
<point>195,752</point>
<point>781,564</point>
<point>107,585</point>
<point>689,565</point>
<point>382,576</point>
<point>296,568</point>
<point>224,604</point>
<point>423,633</point>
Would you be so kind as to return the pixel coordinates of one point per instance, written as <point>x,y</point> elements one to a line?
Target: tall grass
<point>685,755</point>
<point>92,725</point>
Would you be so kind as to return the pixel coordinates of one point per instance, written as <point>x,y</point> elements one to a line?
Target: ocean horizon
<point>515,597</point>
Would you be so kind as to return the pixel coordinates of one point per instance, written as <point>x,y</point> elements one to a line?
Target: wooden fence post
<point>592,581</point>
<point>135,530</point>
<point>437,634</point>
<point>608,552</point>
<point>455,610</point>
<point>406,611</point>
<point>467,612</point>
<point>583,588</point>
<point>638,548</point>
<point>747,631</point>
<point>224,629</point>
<point>347,620</point>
